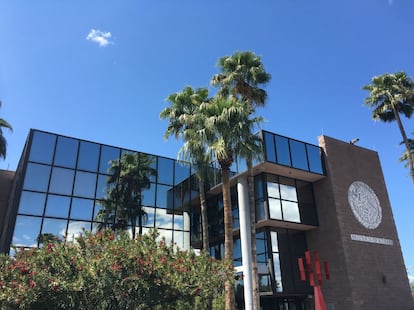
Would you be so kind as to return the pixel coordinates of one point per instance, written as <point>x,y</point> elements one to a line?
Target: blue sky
<point>101,70</point>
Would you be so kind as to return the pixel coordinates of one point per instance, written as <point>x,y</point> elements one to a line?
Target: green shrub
<point>107,271</point>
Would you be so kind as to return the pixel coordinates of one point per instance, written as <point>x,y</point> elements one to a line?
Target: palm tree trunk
<point>204,220</point>
<point>140,224</point>
<point>230,299</point>
<point>405,139</point>
<point>133,228</point>
<point>255,276</point>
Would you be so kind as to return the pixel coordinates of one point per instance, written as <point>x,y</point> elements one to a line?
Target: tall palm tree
<point>404,157</point>
<point>241,76</point>
<point>391,95</point>
<point>3,142</point>
<point>184,122</point>
<point>228,130</point>
<point>129,176</point>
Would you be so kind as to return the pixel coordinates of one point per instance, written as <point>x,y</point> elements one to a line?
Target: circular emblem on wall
<point>364,204</point>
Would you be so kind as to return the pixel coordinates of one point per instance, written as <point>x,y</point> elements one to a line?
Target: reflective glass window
<point>163,219</point>
<point>288,192</point>
<point>315,158</point>
<point>88,156</point>
<point>42,148</point>
<point>81,209</point>
<point>101,216</point>
<point>75,229</point>
<point>260,211</point>
<point>55,227</point>
<point>277,272</point>
<point>148,196</point>
<point>178,221</point>
<point>37,177</point>
<point>66,152</point>
<point>150,217</point>
<point>290,211</point>
<point>26,231</point>
<point>275,244</point>
<point>265,283</point>
<point>85,184</point>
<point>270,147</point>
<point>282,150</point>
<point>165,170</point>
<point>236,220</point>
<point>101,188</point>
<point>275,211</point>
<point>167,234</point>
<point>181,195</point>
<point>61,181</point>
<point>179,239</point>
<point>237,258</point>
<point>258,187</point>
<point>299,159</point>
<point>273,190</point>
<point>32,203</point>
<point>162,192</point>
<point>187,221</point>
<point>260,245</point>
<point>262,260</point>
<point>153,164</point>
<point>182,172</point>
<point>107,155</point>
<point>57,206</point>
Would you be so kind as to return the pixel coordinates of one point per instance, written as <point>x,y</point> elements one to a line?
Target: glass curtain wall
<point>66,178</point>
<point>284,199</point>
<point>292,153</point>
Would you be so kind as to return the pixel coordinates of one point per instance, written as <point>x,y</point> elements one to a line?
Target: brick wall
<point>365,275</point>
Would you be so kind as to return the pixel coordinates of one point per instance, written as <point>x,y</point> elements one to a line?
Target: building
<point>329,198</point>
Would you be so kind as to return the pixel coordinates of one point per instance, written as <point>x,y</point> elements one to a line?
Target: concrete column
<point>244,215</point>
<point>186,219</point>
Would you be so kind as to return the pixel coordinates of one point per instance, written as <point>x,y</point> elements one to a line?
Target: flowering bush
<point>107,271</point>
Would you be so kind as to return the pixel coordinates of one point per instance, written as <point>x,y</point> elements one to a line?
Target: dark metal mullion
<point>307,157</point>
<point>96,188</point>
<point>73,188</point>
<point>173,203</point>
<point>290,153</point>
<point>280,198</point>
<point>275,148</point>
<point>270,262</point>
<point>51,165</point>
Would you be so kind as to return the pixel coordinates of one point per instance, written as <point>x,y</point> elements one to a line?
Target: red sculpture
<point>317,292</point>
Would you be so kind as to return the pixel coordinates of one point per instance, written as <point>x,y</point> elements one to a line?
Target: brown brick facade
<point>365,273</point>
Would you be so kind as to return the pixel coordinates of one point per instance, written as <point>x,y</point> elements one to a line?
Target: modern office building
<point>330,198</point>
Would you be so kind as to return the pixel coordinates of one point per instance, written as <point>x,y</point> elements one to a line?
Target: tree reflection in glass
<point>122,205</point>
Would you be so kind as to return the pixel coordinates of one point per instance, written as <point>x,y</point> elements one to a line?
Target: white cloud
<point>75,229</point>
<point>410,278</point>
<point>100,37</point>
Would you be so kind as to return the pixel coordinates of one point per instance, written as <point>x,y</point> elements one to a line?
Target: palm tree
<point>228,130</point>
<point>3,142</point>
<point>392,95</point>
<point>241,76</point>
<point>404,157</point>
<point>129,176</point>
<point>184,122</point>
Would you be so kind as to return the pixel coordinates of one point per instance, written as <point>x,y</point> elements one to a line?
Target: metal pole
<point>244,214</point>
